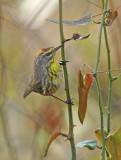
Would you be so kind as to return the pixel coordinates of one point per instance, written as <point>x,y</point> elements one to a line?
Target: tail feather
<point>27,92</point>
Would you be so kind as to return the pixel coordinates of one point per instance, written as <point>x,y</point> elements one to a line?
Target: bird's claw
<point>69,102</point>
<point>63,62</point>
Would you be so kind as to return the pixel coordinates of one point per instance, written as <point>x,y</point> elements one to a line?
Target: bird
<point>47,74</point>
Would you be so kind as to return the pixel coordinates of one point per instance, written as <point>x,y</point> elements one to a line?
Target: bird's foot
<point>69,101</point>
<point>63,62</point>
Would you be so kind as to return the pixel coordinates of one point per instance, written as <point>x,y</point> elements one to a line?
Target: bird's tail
<point>27,92</point>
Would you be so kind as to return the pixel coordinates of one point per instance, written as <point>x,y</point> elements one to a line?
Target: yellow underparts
<point>55,77</point>
<point>54,69</point>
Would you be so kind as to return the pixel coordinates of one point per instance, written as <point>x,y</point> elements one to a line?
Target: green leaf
<point>91,144</point>
<point>86,19</point>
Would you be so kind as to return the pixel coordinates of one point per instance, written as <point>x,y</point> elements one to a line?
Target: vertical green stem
<point>110,76</point>
<point>71,125</point>
<point>110,81</point>
<point>98,87</point>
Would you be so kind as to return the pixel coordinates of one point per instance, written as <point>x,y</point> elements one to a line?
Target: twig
<point>98,86</point>
<point>70,135</point>
<point>114,70</point>
<point>110,76</point>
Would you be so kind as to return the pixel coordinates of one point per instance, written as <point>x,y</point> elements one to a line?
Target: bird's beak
<point>56,48</point>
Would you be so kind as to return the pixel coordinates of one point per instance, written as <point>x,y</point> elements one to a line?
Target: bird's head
<point>48,52</point>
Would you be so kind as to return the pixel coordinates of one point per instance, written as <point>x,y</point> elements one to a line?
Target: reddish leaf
<point>110,17</point>
<point>54,136</point>
<point>84,84</point>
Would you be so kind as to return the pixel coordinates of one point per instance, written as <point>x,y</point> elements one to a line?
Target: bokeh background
<point>26,125</point>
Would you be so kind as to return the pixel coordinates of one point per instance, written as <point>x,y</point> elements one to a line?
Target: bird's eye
<point>48,54</point>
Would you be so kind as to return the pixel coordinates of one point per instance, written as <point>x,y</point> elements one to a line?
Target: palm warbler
<point>47,73</point>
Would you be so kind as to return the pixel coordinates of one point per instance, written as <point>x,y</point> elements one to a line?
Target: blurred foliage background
<point>26,125</point>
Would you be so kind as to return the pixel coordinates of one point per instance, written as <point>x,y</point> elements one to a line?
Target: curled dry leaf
<point>84,84</point>
<point>54,136</point>
<point>110,17</point>
<point>86,19</point>
<point>77,36</point>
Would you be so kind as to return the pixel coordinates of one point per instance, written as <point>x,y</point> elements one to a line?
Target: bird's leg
<point>65,101</point>
<point>63,62</point>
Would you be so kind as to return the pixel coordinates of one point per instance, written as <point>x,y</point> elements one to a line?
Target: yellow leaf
<point>113,144</point>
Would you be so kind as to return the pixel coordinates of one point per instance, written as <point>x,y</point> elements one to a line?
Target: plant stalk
<point>71,125</point>
<point>109,74</point>
<point>110,82</point>
<point>98,86</point>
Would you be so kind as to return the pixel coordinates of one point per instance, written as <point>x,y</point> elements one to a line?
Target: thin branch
<point>110,76</point>
<point>98,86</point>
<point>71,135</point>
<point>94,4</point>
<point>109,71</point>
